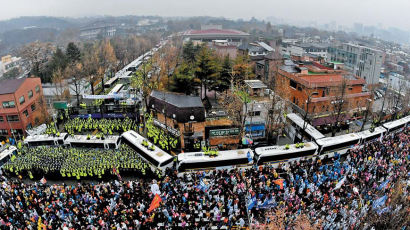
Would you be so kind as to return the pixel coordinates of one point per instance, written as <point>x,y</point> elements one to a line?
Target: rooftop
<point>10,86</point>
<point>216,32</point>
<point>178,100</point>
<point>255,84</point>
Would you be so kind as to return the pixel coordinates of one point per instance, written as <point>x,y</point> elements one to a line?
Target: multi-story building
<point>314,88</point>
<point>98,29</point>
<point>8,62</point>
<point>20,106</point>
<point>301,49</point>
<point>360,60</point>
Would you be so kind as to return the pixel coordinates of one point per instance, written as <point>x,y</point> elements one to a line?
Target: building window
<point>8,104</point>
<point>293,84</point>
<point>25,112</point>
<point>22,100</point>
<point>4,132</point>
<point>254,113</point>
<point>37,89</point>
<point>1,119</point>
<point>33,107</point>
<point>30,94</point>
<point>13,118</point>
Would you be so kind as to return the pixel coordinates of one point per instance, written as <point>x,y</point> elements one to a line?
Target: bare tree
<point>75,73</point>
<point>338,106</point>
<point>62,91</point>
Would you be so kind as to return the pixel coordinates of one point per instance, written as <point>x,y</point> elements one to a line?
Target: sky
<point>385,13</point>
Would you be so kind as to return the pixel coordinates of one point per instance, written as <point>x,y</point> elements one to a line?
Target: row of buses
<point>319,146</point>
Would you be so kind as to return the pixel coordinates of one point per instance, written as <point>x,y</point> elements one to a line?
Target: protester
<point>337,192</point>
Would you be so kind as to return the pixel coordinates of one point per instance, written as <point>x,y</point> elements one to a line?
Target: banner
<point>279,182</point>
<point>223,132</point>
<point>109,96</point>
<point>155,203</point>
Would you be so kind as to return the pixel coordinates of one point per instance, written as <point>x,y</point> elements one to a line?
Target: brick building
<point>314,88</point>
<point>20,106</point>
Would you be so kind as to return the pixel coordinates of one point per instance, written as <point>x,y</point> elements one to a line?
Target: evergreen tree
<point>73,53</point>
<point>184,80</point>
<point>207,68</point>
<point>225,76</point>
<point>189,51</point>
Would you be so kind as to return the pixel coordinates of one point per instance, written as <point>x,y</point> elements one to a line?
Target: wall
<point>27,85</point>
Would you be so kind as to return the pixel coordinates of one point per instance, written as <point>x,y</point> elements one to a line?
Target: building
<point>8,62</point>
<point>360,60</point>
<point>184,117</point>
<point>314,88</point>
<point>255,88</point>
<point>223,48</point>
<point>21,106</point>
<point>64,91</point>
<point>303,49</point>
<point>98,29</point>
<point>398,83</point>
<point>256,50</point>
<point>211,33</point>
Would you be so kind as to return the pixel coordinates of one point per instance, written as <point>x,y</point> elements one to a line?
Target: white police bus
<point>282,153</point>
<point>298,128</point>
<point>44,139</point>
<point>196,161</point>
<point>367,135</point>
<point>395,125</point>
<point>340,144</point>
<point>155,156</point>
<point>6,154</point>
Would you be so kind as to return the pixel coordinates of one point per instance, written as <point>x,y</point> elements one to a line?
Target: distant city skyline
<point>391,13</point>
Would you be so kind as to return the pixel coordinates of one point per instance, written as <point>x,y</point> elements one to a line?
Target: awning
<point>330,119</point>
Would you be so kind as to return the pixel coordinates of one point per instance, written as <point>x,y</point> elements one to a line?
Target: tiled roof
<point>216,32</point>
<point>10,86</point>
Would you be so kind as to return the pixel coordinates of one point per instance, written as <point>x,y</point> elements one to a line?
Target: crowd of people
<point>106,126</point>
<point>336,192</point>
<point>75,162</point>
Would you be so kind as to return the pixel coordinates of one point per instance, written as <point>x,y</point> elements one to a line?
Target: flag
<point>340,183</point>
<point>279,182</point>
<point>116,172</point>
<point>379,202</point>
<point>155,203</point>
<point>43,180</point>
<point>383,185</point>
<point>252,203</point>
<point>249,157</point>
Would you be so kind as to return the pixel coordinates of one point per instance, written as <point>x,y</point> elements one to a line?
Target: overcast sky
<point>370,12</point>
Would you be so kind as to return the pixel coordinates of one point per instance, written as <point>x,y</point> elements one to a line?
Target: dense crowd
<point>337,193</point>
<point>106,126</point>
<point>75,162</point>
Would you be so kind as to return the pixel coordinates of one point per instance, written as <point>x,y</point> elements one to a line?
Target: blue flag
<point>379,202</point>
<point>252,203</point>
<point>383,185</point>
<point>249,157</point>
